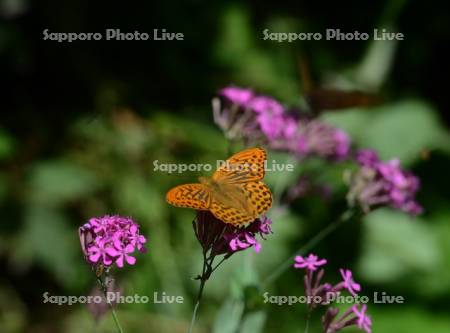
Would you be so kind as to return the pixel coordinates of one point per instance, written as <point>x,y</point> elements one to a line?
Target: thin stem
<point>206,272</point>
<point>116,320</point>
<point>197,304</point>
<point>219,263</point>
<point>308,317</point>
<point>308,246</point>
<point>113,312</point>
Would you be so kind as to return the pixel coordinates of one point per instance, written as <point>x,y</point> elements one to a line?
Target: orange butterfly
<point>235,193</point>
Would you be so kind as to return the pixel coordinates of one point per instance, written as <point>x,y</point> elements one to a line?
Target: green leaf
<point>352,121</point>
<point>270,69</point>
<point>229,317</point>
<point>437,282</point>
<point>286,227</point>
<point>137,196</point>
<point>395,244</point>
<point>6,145</point>
<point>57,181</point>
<point>403,130</point>
<point>253,322</point>
<point>48,240</point>
<point>3,186</point>
<point>13,311</point>
<point>377,62</point>
<point>407,320</point>
<point>399,130</point>
<point>196,133</point>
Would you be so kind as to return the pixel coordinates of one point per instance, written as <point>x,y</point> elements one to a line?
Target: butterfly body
<point>231,195</point>
<point>235,193</point>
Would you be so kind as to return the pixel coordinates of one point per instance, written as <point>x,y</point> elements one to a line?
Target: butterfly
<point>235,193</point>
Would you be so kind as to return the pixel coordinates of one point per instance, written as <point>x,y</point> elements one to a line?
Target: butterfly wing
<point>258,199</point>
<point>195,196</point>
<point>241,195</point>
<point>245,166</point>
<point>258,196</point>
<point>230,215</point>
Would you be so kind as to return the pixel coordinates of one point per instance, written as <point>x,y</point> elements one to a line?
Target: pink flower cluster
<point>222,238</point>
<point>241,239</point>
<point>384,183</point>
<point>242,113</point>
<point>111,240</point>
<point>310,262</point>
<point>316,290</point>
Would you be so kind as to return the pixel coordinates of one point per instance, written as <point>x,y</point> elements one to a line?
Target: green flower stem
<point>105,293</point>
<point>207,270</point>
<point>203,278</point>
<point>197,304</point>
<point>308,318</point>
<point>347,215</point>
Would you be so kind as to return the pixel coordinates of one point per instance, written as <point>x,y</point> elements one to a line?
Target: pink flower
<point>271,124</point>
<point>364,321</point>
<point>342,145</point>
<point>99,224</point>
<point>290,127</point>
<point>379,183</point>
<point>110,239</point>
<point>264,226</point>
<point>243,240</point>
<point>321,294</point>
<point>310,263</point>
<point>99,251</point>
<point>324,140</point>
<point>266,105</point>
<point>348,282</point>
<point>236,95</point>
<point>226,239</point>
<point>367,157</point>
<point>137,239</point>
<point>269,115</point>
<point>121,253</point>
<point>262,119</point>
<point>350,317</point>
